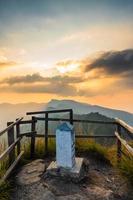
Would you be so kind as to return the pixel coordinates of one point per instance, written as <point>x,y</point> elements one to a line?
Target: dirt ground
<point>102,182</point>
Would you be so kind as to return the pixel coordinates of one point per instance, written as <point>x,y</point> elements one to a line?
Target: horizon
<point>113,108</point>
<point>78,50</point>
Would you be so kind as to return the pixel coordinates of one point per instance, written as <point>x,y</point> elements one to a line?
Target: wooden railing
<point>10,151</point>
<point>122,142</point>
<point>12,143</point>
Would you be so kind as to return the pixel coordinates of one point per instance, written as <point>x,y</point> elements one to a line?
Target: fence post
<point>71,117</point>
<point>33,129</point>
<point>118,144</point>
<point>17,136</point>
<point>10,136</point>
<point>46,133</point>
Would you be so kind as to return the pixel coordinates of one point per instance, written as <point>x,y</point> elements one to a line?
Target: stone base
<point>75,174</point>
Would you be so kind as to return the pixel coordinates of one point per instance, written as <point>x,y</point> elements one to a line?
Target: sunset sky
<point>67,49</point>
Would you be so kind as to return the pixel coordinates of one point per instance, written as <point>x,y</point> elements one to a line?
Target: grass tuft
<point>126,169</point>
<point>5,190</point>
<point>92,148</point>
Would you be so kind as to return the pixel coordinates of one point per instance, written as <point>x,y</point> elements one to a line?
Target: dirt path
<point>102,182</point>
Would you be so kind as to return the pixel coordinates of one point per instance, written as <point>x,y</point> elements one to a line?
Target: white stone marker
<point>65,146</point>
<point>66,165</point>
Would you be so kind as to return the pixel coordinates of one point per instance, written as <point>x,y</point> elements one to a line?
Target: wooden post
<point>17,136</point>
<point>46,133</point>
<point>33,129</point>
<point>71,117</point>
<point>10,136</point>
<point>118,144</point>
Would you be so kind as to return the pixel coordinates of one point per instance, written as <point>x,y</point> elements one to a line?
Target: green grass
<point>5,187</point>
<point>91,147</point>
<point>126,169</point>
<point>125,165</point>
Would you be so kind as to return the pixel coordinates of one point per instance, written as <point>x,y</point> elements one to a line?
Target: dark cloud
<point>38,78</point>
<point>23,79</point>
<point>61,89</point>
<point>113,62</point>
<point>35,83</point>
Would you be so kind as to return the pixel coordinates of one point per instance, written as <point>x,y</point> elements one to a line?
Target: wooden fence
<point>12,142</point>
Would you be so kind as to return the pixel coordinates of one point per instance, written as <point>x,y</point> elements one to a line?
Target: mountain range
<point>9,112</point>
<point>84,108</point>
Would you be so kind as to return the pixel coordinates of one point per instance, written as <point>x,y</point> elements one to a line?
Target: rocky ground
<point>102,182</point>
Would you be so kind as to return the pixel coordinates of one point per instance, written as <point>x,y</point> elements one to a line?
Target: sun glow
<point>67,68</point>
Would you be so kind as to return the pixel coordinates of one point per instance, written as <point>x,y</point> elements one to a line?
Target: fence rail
<point>12,143</point>
<point>128,128</point>
<point>10,126</point>
<point>125,144</point>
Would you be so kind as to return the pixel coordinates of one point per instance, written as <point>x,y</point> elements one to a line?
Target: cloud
<point>34,78</point>
<point>113,62</point>
<point>65,63</point>
<point>4,64</point>
<point>59,89</point>
<point>35,83</point>
<point>108,73</point>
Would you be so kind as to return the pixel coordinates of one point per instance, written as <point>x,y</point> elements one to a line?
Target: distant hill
<point>84,108</point>
<point>9,112</point>
<point>85,128</point>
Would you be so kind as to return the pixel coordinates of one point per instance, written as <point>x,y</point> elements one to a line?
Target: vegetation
<point>104,154</point>
<point>126,168</point>
<point>5,189</point>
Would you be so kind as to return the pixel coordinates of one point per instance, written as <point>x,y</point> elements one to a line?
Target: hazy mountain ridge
<point>84,108</point>
<point>9,112</point>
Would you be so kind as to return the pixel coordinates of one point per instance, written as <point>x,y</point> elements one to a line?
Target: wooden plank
<point>124,125</point>
<point>33,127</point>
<point>9,149</point>
<point>10,126</point>
<point>26,122</point>
<point>17,136</point>
<point>11,168</point>
<point>118,144</point>
<point>71,117</point>
<point>10,137</point>
<point>127,155</point>
<point>46,133</point>
<point>50,111</point>
<point>77,120</point>
<point>125,144</point>
<point>28,134</point>
<point>77,136</point>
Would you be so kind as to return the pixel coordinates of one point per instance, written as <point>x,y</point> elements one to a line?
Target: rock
<point>72,197</point>
<point>100,193</point>
<point>61,187</point>
<point>48,195</point>
<point>31,172</point>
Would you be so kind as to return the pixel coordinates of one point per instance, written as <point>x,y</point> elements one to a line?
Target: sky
<point>57,49</point>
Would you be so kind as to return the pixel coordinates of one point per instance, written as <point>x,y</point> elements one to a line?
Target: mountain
<point>84,108</point>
